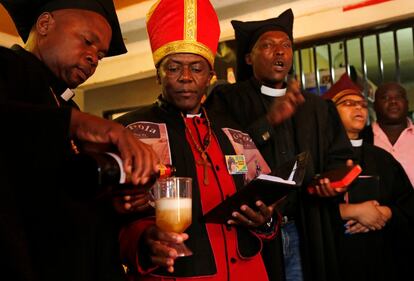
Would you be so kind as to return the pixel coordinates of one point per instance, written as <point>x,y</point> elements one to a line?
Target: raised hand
<point>284,107</point>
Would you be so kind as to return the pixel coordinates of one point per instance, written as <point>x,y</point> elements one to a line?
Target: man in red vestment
<point>196,141</point>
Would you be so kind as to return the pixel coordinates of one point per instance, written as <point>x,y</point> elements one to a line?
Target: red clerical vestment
<point>221,184</point>
<point>223,238</point>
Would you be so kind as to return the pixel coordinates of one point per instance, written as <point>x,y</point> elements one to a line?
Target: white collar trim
<point>272,92</point>
<point>356,143</point>
<point>193,115</point>
<point>67,94</point>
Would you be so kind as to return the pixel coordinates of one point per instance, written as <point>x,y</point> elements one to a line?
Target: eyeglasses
<point>352,103</point>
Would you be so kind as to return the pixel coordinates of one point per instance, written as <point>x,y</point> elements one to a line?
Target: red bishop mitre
<point>183,26</point>
<point>342,88</point>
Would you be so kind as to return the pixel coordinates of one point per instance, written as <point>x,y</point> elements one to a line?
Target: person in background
<point>196,143</point>
<point>376,212</point>
<point>51,224</point>
<point>283,122</point>
<point>393,130</point>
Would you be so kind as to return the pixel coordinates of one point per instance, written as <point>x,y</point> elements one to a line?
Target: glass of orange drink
<point>173,202</point>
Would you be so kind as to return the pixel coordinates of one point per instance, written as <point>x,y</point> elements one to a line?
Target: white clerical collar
<point>356,143</point>
<point>67,94</point>
<point>272,92</point>
<point>193,115</point>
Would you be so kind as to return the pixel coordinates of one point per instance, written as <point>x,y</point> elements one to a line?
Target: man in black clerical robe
<point>264,60</point>
<point>51,225</point>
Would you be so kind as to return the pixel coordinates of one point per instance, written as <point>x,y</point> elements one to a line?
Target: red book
<point>339,178</point>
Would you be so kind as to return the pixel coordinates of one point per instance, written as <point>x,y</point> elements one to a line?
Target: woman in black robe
<point>377,210</point>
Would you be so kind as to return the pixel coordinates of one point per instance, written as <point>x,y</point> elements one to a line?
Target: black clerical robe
<point>51,227</point>
<point>316,128</point>
<point>385,254</point>
<point>219,252</point>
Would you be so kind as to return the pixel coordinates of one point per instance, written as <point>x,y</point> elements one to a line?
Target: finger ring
<point>249,222</point>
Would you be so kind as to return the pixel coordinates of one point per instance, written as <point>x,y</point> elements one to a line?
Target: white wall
<point>129,94</point>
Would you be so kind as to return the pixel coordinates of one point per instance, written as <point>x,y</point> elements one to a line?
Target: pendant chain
<point>203,147</point>
<point>205,144</point>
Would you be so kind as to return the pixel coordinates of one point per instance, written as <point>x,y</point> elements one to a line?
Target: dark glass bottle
<point>104,172</point>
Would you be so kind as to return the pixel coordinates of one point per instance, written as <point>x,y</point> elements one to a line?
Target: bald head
<point>70,42</point>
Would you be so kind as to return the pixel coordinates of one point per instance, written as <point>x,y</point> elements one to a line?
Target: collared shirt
<point>402,150</point>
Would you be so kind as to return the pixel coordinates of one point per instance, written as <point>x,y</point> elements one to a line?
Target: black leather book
<point>364,188</point>
<point>267,188</point>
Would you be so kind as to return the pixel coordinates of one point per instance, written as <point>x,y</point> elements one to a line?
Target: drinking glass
<point>173,202</point>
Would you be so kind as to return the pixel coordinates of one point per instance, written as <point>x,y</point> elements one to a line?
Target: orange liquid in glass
<point>173,214</point>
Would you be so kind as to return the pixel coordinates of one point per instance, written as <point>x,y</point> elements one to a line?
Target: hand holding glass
<point>172,198</point>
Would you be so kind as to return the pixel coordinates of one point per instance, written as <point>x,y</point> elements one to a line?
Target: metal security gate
<point>369,57</point>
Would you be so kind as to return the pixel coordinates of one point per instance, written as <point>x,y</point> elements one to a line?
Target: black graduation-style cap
<point>25,13</point>
<point>247,33</point>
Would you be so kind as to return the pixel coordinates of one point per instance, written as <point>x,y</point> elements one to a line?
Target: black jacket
<point>317,129</point>
<point>51,226</point>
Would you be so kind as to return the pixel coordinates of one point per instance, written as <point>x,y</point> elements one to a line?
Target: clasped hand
<point>366,216</point>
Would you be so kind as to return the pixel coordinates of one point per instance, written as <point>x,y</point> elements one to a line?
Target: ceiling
<point>7,26</point>
<point>137,63</point>
<point>311,17</point>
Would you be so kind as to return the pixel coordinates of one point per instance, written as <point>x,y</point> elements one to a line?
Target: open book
<point>267,188</point>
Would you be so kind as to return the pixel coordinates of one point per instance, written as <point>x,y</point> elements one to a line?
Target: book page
<point>275,179</point>
<point>292,174</point>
